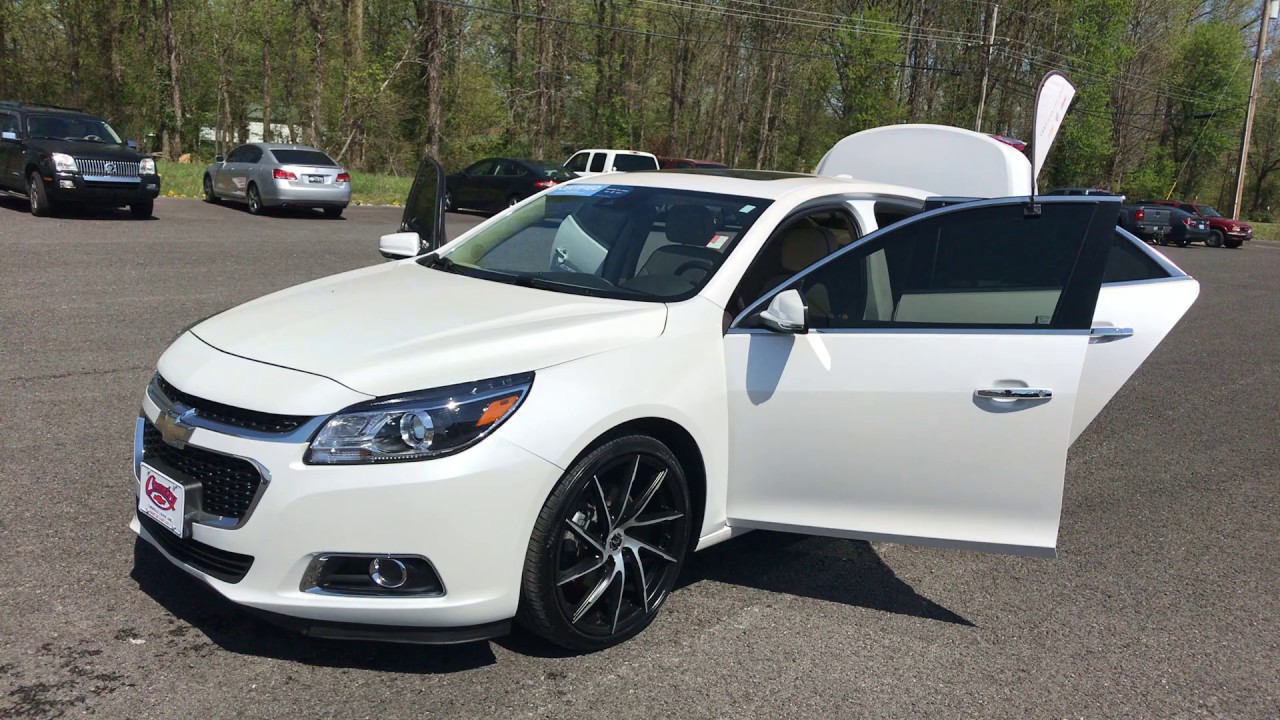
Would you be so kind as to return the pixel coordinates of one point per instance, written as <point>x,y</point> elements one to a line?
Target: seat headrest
<point>690,225</point>
<point>803,246</point>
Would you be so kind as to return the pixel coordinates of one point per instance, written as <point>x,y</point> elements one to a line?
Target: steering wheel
<point>692,265</point>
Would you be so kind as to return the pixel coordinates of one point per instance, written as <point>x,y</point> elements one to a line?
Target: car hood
<point>400,327</point>
<point>92,150</point>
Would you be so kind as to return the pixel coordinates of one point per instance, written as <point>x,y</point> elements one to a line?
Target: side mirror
<point>9,136</point>
<point>219,159</point>
<point>398,246</point>
<point>133,144</point>
<point>786,313</point>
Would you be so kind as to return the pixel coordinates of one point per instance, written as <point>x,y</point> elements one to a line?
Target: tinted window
<point>303,157</point>
<point>628,163</point>
<point>981,267</point>
<point>238,155</point>
<point>1127,262</point>
<point>597,162</point>
<point>252,154</point>
<point>578,163</point>
<point>484,167</point>
<point>8,123</point>
<point>638,243</point>
<point>798,244</point>
<point>549,170</point>
<point>506,168</point>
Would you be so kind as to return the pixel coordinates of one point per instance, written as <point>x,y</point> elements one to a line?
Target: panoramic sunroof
<point>739,174</point>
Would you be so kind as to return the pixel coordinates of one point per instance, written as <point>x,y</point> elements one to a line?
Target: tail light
<point>343,177</point>
<point>544,184</point>
<point>283,174</point>
<point>1188,222</point>
<point>1140,215</point>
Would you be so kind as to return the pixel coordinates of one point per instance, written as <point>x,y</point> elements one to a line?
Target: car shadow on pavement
<point>849,572</point>
<point>73,212</point>
<point>237,631</point>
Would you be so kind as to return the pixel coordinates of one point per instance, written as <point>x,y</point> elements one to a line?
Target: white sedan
<point>539,420</point>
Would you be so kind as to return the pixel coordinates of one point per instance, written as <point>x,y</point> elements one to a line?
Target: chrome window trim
<point>917,331</point>
<point>301,435</point>
<point>936,212</point>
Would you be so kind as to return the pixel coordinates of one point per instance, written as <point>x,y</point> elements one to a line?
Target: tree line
<point>753,83</point>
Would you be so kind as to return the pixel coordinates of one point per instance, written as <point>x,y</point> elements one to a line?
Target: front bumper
<point>74,187</point>
<point>470,514</point>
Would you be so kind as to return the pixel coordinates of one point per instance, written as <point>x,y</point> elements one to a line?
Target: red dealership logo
<point>160,495</point>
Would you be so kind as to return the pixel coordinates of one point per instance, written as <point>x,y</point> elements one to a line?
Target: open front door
<point>933,396</point>
<point>424,208</point>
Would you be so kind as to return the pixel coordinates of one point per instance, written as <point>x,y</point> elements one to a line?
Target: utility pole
<point>986,67</point>
<point>1264,19</point>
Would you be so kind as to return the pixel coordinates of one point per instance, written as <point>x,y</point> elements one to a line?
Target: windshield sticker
<point>588,190</point>
<point>576,189</point>
<point>718,241</point>
<point>747,208</point>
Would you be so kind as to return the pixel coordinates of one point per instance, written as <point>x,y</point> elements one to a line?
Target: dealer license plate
<point>162,499</point>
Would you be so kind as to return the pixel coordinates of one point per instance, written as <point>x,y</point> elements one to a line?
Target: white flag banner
<point>1052,100</point>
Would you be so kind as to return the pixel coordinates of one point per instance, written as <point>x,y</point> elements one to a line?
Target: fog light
<point>388,572</point>
<point>67,184</point>
<point>368,574</point>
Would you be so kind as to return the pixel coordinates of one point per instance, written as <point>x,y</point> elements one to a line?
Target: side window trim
<point>875,236</point>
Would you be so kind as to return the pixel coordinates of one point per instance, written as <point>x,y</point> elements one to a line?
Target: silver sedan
<point>265,175</point>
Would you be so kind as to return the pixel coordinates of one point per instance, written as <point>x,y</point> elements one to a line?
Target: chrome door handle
<point>1009,394</point>
<point>1108,334</point>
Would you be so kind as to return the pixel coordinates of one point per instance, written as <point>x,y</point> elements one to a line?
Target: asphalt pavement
<point>1164,600</point>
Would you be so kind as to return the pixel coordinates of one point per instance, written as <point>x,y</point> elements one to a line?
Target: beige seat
<point>801,247</point>
<point>689,229</point>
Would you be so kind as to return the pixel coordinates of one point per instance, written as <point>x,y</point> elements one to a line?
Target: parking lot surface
<point>1164,600</point>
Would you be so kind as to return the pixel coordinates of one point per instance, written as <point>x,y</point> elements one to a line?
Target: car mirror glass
<point>219,159</point>
<point>10,136</point>
<point>786,313</point>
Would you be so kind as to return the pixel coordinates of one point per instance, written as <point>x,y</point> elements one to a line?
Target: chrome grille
<point>107,168</point>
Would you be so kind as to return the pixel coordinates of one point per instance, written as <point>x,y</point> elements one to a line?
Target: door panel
<point>881,436</point>
<point>886,420</point>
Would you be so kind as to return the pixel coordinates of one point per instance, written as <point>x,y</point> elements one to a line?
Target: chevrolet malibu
<point>540,420</point>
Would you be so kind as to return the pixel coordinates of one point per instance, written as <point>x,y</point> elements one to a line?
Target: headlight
<point>419,425</point>
<point>64,163</point>
<point>147,167</point>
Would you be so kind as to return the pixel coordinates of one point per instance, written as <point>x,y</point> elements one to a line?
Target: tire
<point>209,195</point>
<point>333,212</point>
<point>255,200</point>
<point>142,210</point>
<point>577,532</point>
<point>36,195</point>
<point>1215,239</point>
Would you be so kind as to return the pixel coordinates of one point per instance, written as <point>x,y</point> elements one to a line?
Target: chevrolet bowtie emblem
<point>172,428</point>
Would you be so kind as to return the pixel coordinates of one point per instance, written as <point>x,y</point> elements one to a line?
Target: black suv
<point>58,156</point>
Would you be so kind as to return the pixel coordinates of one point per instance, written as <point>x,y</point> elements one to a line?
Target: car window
<point>506,168</point>
<point>641,243</point>
<point>314,158</point>
<point>982,267</point>
<point>8,122</point>
<point>625,162</point>
<point>597,162</point>
<point>252,154</point>
<point>796,245</point>
<point>1127,262</point>
<point>578,163</point>
<point>1188,208</point>
<point>484,167</point>
<point>238,155</point>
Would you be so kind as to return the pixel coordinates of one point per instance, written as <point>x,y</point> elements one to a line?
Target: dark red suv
<point>1223,232</point>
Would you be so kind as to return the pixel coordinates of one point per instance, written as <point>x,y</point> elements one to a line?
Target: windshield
<point>314,158</point>
<point>1207,211</point>
<point>71,127</point>
<point>617,241</point>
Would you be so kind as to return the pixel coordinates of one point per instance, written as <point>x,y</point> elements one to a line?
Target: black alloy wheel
<point>255,200</point>
<point>209,197</point>
<point>607,546</point>
<point>39,199</point>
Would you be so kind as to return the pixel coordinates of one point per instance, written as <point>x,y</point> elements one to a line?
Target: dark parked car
<point>1223,231</point>
<point>1185,228</point>
<point>58,156</point>
<point>1152,223</point>
<point>497,183</point>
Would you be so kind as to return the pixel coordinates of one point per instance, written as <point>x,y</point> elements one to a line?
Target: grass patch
<point>185,181</point>
<point>1266,231</point>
